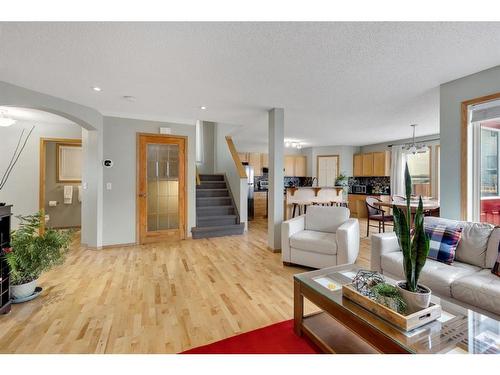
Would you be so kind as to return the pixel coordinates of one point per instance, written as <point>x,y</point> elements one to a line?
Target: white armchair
<point>323,237</point>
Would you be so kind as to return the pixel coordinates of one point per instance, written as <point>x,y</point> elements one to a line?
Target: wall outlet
<point>109,186</point>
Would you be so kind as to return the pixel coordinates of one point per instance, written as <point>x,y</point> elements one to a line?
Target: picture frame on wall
<point>69,162</point>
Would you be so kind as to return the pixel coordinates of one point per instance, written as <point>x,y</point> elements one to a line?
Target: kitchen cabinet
<point>357,204</point>
<point>243,156</point>
<point>382,163</point>
<point>260,204</point>
<point>289,165</point>
<point>300,166</point>
<point>372,164</point>
<point>368,164</point>
<point>254,160</point>
<point>358,165</point>
<point>295,165</point>
<point>265,160</point>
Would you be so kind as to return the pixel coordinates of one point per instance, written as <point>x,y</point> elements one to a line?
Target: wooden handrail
<point>236,157</point>
<point>198,181</point>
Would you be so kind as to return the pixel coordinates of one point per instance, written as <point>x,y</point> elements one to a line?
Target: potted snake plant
<point>415,247</point>
<point>32,253</point>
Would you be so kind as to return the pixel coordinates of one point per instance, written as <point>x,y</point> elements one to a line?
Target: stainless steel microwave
<point>358,189</point>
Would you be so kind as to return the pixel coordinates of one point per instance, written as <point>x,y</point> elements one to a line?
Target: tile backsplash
<point>377,184</point>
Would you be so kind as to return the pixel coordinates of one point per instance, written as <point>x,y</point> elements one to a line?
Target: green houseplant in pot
<point>415,247</point>
<point>32,253</point>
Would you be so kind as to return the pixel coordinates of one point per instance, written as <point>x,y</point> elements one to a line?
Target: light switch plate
<point>108,186</point>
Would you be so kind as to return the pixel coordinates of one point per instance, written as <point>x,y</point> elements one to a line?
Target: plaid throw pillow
<point>443,242</point>
<point>496,268</point>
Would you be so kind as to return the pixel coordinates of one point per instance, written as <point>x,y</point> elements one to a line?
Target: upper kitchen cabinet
<point>357,169</point>
<point>244,156</point>
<point>373,164</point>
<point>265,160</point>
<point>368,164</point>
<point>255,161</point>
<point>289,165</point>
<point>295,165</point>
<point>300,166</point>
<point>382,163</point>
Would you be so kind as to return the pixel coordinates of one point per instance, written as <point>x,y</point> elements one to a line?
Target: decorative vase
<point>415,301</point>
<point>23,290</point>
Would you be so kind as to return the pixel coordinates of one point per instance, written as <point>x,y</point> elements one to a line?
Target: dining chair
<point>376,214</point>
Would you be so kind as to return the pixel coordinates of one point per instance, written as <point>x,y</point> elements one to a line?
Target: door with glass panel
<point>161,187</point>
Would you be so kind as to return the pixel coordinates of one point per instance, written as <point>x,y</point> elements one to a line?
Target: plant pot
<point>23,290</point>
<point>415,301</point>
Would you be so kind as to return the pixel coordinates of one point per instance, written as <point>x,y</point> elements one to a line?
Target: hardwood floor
<point>157,298</point>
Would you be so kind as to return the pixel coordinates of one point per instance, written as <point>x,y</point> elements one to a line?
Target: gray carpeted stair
<point>216,214</point>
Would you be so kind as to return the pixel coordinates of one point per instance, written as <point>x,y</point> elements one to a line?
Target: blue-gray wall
<point>452,94</point>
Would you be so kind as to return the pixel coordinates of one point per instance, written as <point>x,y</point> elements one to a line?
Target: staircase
<point>216,214</point>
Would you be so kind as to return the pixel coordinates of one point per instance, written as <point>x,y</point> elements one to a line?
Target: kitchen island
<point>301,197</point>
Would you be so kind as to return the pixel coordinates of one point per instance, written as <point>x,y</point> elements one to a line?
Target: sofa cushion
<point>443,242</point>
<point>325,218</point>
<point>436,275</point>
<point>481,289</point>
<point>318,242</point>
<point>474,241</point>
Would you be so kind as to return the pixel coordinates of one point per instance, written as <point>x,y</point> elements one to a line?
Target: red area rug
<point>278,338</point>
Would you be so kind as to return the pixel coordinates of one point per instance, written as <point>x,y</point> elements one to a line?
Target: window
<point>420,170</point>
<point>489,162</point>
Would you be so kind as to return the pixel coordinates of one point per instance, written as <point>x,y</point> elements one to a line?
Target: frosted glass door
<point>162,187</point>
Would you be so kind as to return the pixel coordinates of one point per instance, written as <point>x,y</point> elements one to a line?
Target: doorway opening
<point>60,191</point>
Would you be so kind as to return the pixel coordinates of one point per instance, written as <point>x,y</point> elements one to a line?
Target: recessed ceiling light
<point>130,98</point>
<point>95,88</point>
<point>203,107</point>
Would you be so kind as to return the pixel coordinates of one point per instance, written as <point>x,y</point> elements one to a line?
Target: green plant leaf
<point>420,244</point>
<point>402,229</point>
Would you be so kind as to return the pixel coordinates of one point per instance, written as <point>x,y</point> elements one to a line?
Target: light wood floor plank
<point>157,298</point>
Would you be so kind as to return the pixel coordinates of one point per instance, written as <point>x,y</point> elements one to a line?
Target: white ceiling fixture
<point>340,83</point>
<point>203,107</point>
<point>6,121</point>
<point>96,88</point>
<point>129,98</point>
<point>415,147</point>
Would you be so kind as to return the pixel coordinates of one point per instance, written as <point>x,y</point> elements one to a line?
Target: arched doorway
<point>91,123</point>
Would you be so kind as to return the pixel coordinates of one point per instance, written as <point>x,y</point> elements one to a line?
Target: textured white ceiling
<point>340,83</point>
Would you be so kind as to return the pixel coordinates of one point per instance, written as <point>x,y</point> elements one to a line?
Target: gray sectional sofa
<point>468,281</point>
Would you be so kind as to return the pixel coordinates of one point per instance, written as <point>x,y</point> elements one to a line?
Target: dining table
<point>430,206</point>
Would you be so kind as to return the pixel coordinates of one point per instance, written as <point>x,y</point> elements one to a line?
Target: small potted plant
<point>415,247</point>
<point>32,253</point>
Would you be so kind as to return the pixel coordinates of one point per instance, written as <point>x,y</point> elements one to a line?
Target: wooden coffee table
<point>345,327</point>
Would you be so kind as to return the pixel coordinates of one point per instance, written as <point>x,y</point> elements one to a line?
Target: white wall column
<point>276,176</point>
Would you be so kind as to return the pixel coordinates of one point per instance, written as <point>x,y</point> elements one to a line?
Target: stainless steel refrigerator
<point>250,179</point>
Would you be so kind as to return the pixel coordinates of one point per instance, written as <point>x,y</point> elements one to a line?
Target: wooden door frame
<point>464,122</point>
<point>327,156</point>
<point>43,172</point>
<point>183,231</point>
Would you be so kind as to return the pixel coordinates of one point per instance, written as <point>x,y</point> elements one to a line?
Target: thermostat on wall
<point>108,163</point>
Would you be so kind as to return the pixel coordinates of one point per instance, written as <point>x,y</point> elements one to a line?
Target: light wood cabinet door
<point>255,162</point>
<point>357,165</point>
<point>381,163</point>
<point>368,164</point>
<point>264,160</point>
<point>243,156</point>
<point>300,166</point>
<point>289,165</point>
